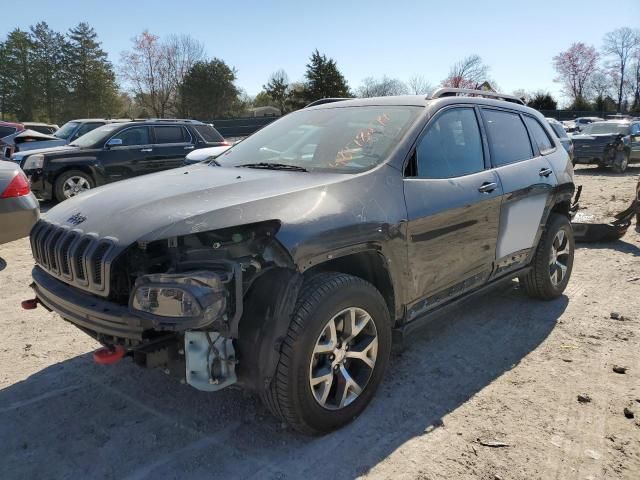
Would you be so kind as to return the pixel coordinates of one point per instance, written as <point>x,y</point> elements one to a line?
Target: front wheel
<point>621,162</point>
<point>553,261</point>
<point>334,355</point>
<point>72,183</point>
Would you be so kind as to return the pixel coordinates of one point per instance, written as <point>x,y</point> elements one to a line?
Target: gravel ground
<point>508,370</point>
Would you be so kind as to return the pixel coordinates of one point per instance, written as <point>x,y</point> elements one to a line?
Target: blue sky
<point>399,38</point>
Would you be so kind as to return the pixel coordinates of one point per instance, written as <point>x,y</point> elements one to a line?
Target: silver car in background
<point>19,209</point>
<point>561,133</point>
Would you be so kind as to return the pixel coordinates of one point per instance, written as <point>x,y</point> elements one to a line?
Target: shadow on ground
<point>76,419</point>
<point>595,171</point>
<point>3,264</point>
<point>619,245</point>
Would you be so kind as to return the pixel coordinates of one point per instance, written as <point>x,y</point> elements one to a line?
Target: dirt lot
<point>507,370</point>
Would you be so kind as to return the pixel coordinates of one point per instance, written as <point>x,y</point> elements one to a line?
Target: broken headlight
<point>198,294</point>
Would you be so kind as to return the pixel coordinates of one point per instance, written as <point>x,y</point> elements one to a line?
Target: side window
<point>134,136</point>
<point>86,128</point>
<point>452,146</point>
<point>635,129</point>
<point>539,135</point>
<point>170,134</point>
<point>508,139</point>
<point>4,131</point>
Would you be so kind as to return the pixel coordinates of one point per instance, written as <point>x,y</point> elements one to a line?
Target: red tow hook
<point>109,355</point>
<point>30,304</point>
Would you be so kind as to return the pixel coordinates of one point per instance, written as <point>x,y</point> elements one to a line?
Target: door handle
<point>487,187</point>
<point>545,172</point>
<point>190,147</point>
<point>146,149</point>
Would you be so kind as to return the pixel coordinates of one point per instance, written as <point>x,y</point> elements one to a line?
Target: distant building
<point>264,112</point>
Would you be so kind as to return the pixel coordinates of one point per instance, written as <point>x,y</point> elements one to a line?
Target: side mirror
<point>114,142</point>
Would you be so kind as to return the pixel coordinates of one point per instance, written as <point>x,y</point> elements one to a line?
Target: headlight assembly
<point>188,295</point>
<point>33,162</point>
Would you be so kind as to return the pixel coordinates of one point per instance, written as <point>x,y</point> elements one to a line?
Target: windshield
<point>66,130</point>
<point>341,140</point>
<point>98,135</point>
<point>606,127</point>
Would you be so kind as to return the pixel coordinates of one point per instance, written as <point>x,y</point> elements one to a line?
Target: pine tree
<point>16,76</point>
<point>324,80</point>
<point>49,71</point>
<point>92,79</point>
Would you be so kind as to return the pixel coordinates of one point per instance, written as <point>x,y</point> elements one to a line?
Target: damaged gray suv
<point>287,265</point>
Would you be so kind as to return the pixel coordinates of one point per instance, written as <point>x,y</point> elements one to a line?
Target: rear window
<point>4,131</point>
<point>170,134</point>
<point>539,135</point>
<point>208,133</point>
<point>508,138</point>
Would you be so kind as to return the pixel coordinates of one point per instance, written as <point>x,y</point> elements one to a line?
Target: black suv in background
<point>114,152</point>
<point>286,265</point>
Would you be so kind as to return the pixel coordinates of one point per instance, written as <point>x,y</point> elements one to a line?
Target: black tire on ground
<point>58,186</point>
<point>538,283</point>
<point>322,297</point>
<point>621,162</point>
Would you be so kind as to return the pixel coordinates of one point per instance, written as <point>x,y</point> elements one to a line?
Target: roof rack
<point>453,92</point>
<point>322,101</point>
<point>186,120</point>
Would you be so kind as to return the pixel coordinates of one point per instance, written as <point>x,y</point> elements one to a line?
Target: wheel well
<point>81,168</point>
<point>370,266</point>
<point>562,207</point>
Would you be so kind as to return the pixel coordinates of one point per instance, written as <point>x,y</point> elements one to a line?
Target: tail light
<point>18,187</point>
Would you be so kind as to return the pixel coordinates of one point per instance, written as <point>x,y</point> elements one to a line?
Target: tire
<point>62,186</point>
<point>543,280</point>
<point>290,396</point>
<point>621,162</point>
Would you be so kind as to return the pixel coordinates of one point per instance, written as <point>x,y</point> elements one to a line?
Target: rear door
<point>130,159</point>
<point>171,144</point>
<point>453,205</point>
<point>518,145</point>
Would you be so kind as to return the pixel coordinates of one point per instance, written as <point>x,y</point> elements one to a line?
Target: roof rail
<point>453,92</point>
<point>186,120</point>
<point>322,101</point>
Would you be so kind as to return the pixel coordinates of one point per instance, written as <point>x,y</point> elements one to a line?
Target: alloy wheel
<point>559,259</point>
<point>74,186</point>
<point>343,358</point>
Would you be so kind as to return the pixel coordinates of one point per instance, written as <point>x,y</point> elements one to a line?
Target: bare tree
<point>575,68</point>
<point>620,45</point>
<point>600,84</point>
<point>419,86</point>
<point>384,87</point>
<point>635,79</point>
<point>278,89</point>
<point>155,70</point>
<point>469,72</point>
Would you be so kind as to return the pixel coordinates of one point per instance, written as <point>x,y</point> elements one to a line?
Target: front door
<point>453,204</point>
<point>131,158</point>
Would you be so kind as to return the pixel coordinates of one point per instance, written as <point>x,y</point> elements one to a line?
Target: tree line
<point>52,76</point>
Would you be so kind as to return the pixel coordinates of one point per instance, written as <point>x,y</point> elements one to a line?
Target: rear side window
<point>508,138</point>
<point>539,135</point>
<point>452,147</point>
<point>208,133</point>
<point>559,131</point>
<point>170,134</point>
<point>4,131</point>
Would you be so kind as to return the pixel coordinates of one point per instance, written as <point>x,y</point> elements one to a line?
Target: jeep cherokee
<point>285,265</point>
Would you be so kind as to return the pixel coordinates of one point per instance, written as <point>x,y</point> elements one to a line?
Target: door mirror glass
<point>114,142</point>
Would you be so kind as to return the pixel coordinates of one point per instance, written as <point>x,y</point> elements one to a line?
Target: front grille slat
<point>79,259</point>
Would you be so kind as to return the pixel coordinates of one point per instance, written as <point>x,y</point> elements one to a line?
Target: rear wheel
<point>553,261</point>
<point>334,356</point>
<point>72,183</point>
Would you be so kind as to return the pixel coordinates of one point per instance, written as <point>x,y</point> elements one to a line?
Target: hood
<point>197,198</point>
<point>205,153</point>
<point>33,135</point>
<point>32,148</point>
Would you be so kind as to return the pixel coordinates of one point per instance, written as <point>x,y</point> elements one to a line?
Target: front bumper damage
<point>197,349</point>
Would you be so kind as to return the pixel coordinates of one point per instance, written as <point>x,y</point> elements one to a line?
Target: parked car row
<point>610,143</point>
<point>113,151</point>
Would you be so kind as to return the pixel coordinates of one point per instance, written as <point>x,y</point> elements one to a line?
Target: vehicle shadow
<point>595,171</point>
<point>77,419</point>
<point>3,264</point>
<point>618,245</point>
<point>45,206</point>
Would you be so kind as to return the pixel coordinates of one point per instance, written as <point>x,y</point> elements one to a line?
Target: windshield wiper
<point>274,166</point>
